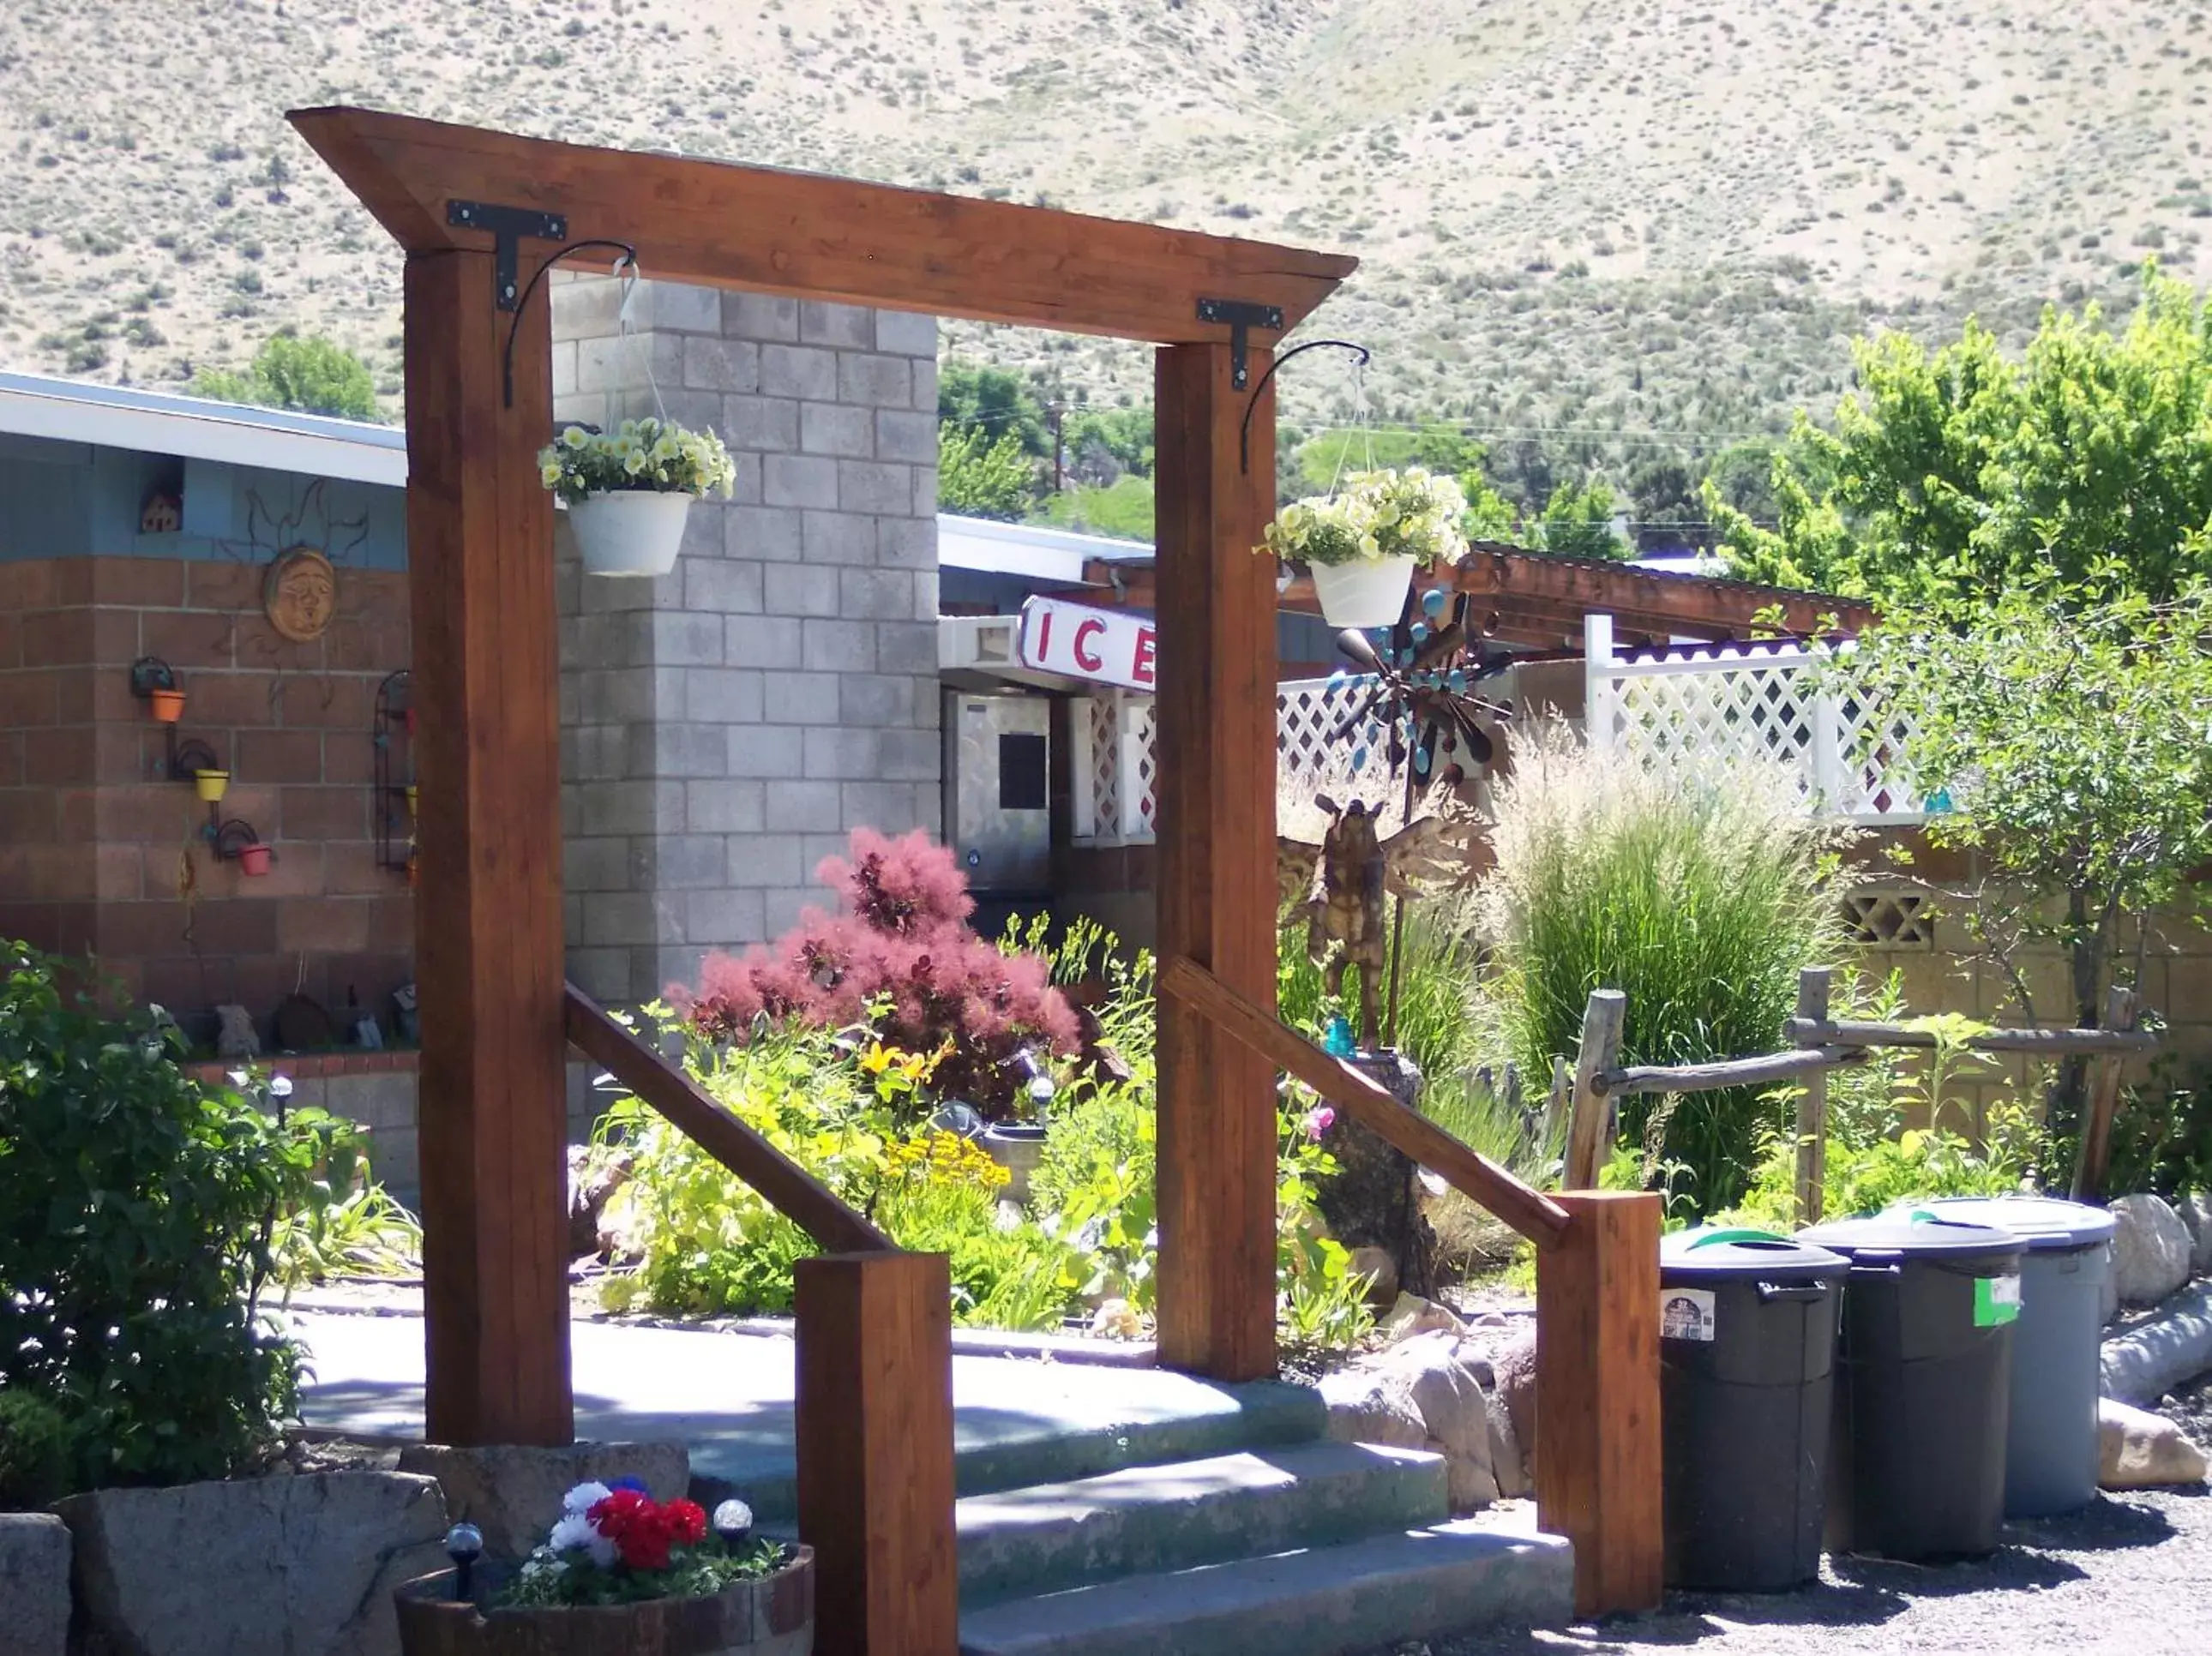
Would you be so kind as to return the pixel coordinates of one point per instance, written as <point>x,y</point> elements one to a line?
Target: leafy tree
<point>994,401</point>
<point>1962,472</point>
<point>980,477</point>
<point>1490,515</point>
<point>1102,445</point>
<point>310,375</point>
<point>1577,523</point>
<point>2068,730</point>
<point>1740,477</point>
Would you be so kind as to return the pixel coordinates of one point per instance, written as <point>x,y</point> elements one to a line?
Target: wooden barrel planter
<point>773,1616</point>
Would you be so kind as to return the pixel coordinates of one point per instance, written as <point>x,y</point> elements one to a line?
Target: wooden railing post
<point>1597,1397</point>
<point>2090,1165</point>
<point>1814,984</point>
<point>874,1430</point>
<point>1589,1121</point>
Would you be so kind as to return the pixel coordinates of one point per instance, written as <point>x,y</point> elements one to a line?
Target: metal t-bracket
<point>1242,316</point>
<point>508,225</point>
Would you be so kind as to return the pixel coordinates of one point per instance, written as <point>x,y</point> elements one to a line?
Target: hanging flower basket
<point>628,491</point>
<point>1363,542</point>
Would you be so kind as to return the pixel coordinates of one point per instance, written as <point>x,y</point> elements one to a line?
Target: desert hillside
<point>1639,216</point>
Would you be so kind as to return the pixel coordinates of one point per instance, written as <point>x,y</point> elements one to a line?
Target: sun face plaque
<point>300,594</point>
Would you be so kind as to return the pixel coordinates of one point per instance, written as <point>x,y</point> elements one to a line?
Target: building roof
<point>200,428</point>
<point>1056,557</point>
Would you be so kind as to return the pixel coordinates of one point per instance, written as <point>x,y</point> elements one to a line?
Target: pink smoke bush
<point>901,935</point>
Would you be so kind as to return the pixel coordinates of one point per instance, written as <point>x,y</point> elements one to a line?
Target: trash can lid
<point>1912,1230</point>
<point>1719,1251</point>
<point>2045,1224</point>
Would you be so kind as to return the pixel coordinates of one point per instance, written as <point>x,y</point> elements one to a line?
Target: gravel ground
<point>2131,1575</point>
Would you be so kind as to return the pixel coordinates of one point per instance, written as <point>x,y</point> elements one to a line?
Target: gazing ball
<point>1433,600</point>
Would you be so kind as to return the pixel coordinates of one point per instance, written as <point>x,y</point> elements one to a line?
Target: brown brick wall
<point>98,851</point>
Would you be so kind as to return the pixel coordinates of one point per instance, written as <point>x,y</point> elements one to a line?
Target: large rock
<point>2138,1450</point>
<point>2195,1212</point>
<point>512,1493</point>
<point>2161,1351</point>
<point>2151,1249</point>
<point>1420,1394</point>
<point>1515,1364</point>
<point>35,1584</point>
<point>300,1566</point>
<point>1412,1316</point>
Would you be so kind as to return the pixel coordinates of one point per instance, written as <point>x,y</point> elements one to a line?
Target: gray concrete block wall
<point>723,727</point>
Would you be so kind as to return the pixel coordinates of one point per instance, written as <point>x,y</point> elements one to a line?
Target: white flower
<point>571,1532</point>
<point>585,1496</point>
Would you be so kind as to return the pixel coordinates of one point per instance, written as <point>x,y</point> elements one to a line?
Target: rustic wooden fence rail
<point>1597,1308</point>
<point>873,1412</point>
<point>1822,1045</point>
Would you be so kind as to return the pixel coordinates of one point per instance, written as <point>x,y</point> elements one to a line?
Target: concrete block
<point>909,435</point>
<point>583,308</point>
<point>925,491</point>
<point>380,1099</point>
<point>882,700</point>
<point>925,595</point>
<point>821,323</point>
<point>909,333</point>
<point>725,695</point>
<point>906,543</point>
<point>769,424</point>
<point>602,973</point>
<point>34,1584</point>
<point>759,315</point>
<point>875,594</point>
<point>888,807</point>
<point>722,585</point>
<point>628,362</point>
<point>767,641</point>
<point>839,537</point>
<point>876,382</point>
<point>838,646</point>
<point>666,750</point>
<point>616,918</point>
<point>800,588</point>
<point>507,1491</point>
<point>744,476</point>
<point>911,756</point>
<point>835,428</point>
<point>876,487</point>
<point>685,862</point>
<point>777,752</point>
<point>798,807</point>
<point>677,306</point>
<point>618,696</point>
<point>594,753</point>
<point>726,365</point>
<point>699,410</point>
<point>722,919</point>
<point>798,371</point>
<point>906,646</point>
<point>800,480</point>
<point>733,805</point>
<point>581,409</point>
<point>564,367</point>
<point>925,386</point>
<point>597,865</point>
<point>764,533</point>
<point>764,860</point>
<point>836,752</point>
<point>681,638</point>
<point>803,698</point>
<point>781,909</point>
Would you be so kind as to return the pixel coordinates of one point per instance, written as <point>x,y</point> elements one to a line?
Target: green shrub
<point>37,1451</point>
<point>134,1209</point>
<point>1698,893</point>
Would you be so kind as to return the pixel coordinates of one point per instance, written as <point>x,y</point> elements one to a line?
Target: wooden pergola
<point>479,213</point>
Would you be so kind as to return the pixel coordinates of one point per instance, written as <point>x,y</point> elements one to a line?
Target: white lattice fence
<point>1744,703</point>
<point>1113,768</point>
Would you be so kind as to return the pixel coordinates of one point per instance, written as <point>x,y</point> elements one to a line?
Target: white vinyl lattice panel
<point>1750,703</point>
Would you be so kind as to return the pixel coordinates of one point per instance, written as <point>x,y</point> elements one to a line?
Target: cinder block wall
<point>723,727</point>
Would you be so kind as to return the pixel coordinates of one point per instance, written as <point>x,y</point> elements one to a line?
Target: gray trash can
<point>2050,1446</point>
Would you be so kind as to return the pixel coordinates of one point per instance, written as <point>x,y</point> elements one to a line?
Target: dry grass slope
<point>1636,215</point>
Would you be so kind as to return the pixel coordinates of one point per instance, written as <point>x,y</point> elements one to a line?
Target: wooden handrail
<point>790,1189</point>
<point>1725,1073</point>
<point>1529,1211</point>
<point>2048,1043</point>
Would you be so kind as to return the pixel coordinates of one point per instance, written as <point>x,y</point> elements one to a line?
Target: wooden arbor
<point>478,213</point>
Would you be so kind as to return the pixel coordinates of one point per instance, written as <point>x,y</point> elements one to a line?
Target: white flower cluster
<point>1389,513</point>
<point>574,1529</point>
<point>639,454</point>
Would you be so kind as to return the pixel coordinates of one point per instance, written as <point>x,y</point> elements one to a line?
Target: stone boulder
<point>1422,1393</point>
<point>300,1565</point>
<point>512,1493</point>
<point>2139,1450</point>
<point>1515,1363</point>
<point>2195,1212</point>
<point>2151,1249</point>
<point>1412,1316</point>
<point>35,1584</point>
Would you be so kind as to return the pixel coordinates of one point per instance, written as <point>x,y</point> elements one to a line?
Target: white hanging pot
<point>629,531</point>
<point>1365,592</point>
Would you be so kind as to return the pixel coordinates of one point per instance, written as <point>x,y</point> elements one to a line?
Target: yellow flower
<point>550,473</point>
<point>876,1059</point>
<point>575,437</point>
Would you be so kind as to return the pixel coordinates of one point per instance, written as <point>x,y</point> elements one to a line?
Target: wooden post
<point>2096,1151</point>
<point>1216,827</point>
<point>1814,984</point>
<point>1597,1389</point>
<point>1589,1121</point>
<point>874,1428</point>
<point>487,930</point>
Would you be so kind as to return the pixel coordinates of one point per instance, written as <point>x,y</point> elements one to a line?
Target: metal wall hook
<point>1244,431</point>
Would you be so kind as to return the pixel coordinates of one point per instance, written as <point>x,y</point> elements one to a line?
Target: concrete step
<point>1022,1543</point>
<point>1323,1601</point>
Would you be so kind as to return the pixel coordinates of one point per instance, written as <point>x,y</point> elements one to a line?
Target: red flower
<point>687,1519</point>
<point>641,1530</point>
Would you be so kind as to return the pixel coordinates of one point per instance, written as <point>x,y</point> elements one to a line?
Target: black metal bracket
<point>1242,316</point>
<point>509,225</point>
<point>1244,430</point>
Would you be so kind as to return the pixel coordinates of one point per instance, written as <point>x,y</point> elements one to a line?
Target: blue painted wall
<point>71,500</point>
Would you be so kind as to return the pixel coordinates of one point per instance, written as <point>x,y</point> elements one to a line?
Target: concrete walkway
<point>728,1397</point>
